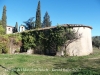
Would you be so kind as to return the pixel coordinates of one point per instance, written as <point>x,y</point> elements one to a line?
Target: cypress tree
<point>16,27</point>
<point>38,17</point>
<point>46,21</point>
<point>0,22</point>
<point>4,17</point>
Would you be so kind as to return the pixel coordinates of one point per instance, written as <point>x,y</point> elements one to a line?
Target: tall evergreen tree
<point>16,27</point>
<point>46,21</point>
<point>4,17</point>
<point>0,22</point>
<point>38,17</point>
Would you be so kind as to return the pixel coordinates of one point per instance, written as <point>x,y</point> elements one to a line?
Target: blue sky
<point>86,12</point>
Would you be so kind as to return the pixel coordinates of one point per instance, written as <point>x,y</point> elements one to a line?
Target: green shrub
<point>3,48</point>
<point>2,31</point>
<point>48,40</point>
<point>17,50</point>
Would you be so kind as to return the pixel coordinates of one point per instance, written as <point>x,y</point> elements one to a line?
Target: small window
<point>8,29</point>
<point>22,28</point>
<point>84,27</point>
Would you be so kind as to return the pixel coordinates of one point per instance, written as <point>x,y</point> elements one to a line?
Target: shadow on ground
<point>9,70</point>
<point>80,67</point>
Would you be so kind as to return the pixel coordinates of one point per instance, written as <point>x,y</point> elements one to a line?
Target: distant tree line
<point>96,41</point>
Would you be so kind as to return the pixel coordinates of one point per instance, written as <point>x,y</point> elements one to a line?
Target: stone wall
<point>79,47</point>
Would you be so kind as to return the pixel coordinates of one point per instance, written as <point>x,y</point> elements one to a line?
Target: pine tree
<point>4,17</point>
<point>38,17</point>
<point>46,21</point>
<point>16,27</point>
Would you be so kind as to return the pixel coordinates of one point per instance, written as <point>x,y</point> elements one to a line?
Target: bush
<point>48,40</point>
<point>3,48</point>
<point>2,31</point>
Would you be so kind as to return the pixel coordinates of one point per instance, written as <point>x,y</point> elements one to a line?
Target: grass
<point>23,64</point>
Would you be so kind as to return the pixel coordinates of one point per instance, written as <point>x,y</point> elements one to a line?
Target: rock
<point>30,51</point>
<point>60,53</point>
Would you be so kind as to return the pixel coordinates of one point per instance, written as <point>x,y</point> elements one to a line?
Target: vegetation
<point>23,64</point>
<point>3,44</point>
<point>15,39</point>
<point>16,27</point>
<point>46,21</point>
<point>47,41</point>
<point>2,31</point>
<point>6,41</point>
<point>0,22</point>
<point>9,41</point>
<point>37,24</point>
<point>3,40</point>
<point>38,17</point>
<point>42,41</point>
<point>4,17</point>
<point>29,24</point>
<point>96,41</point>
